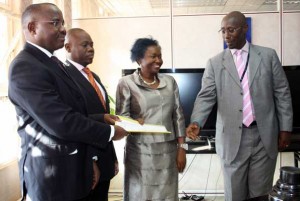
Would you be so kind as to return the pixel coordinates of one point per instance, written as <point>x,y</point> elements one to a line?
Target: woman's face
<point>152,61</point>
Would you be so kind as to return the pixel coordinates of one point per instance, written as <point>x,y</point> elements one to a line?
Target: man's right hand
<point>119,133</point>
<point>192,131</point>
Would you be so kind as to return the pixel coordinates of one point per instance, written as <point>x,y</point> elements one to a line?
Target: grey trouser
<point>251,173</point>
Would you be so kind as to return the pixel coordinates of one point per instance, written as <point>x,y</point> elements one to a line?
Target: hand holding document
<point>133,126</point>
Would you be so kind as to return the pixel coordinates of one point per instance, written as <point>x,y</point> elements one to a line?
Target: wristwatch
<point>183,146</point>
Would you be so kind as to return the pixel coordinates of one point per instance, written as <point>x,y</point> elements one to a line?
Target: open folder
<point>133,126</point>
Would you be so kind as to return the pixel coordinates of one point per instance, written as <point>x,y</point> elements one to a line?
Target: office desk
<point>203,141</point>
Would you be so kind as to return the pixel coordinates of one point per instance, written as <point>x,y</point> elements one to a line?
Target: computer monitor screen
<point>293,76</point>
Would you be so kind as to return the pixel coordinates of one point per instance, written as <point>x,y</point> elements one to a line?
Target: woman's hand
<point>181,159</point>
<point>140,120</point>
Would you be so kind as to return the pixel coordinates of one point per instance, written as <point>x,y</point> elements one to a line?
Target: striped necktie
<point>248,116</point>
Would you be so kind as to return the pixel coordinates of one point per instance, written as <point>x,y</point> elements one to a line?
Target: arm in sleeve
<point>206,98</point>
<point>282,95</point>
<point>123,99</point>
<point>35,92</point>
<point>178,117</point>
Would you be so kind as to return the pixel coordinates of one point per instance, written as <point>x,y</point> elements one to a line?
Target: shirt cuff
<point>112,132</point>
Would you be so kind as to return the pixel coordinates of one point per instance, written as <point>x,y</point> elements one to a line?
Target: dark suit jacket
<point>55,130</point>
<point>94,107</point>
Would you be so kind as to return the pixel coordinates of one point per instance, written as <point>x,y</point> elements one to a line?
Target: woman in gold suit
<point>152,160</point>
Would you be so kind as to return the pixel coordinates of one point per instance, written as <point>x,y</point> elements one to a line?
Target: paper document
<point>133,126</point>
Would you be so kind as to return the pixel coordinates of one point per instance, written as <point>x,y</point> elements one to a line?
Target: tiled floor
<point>118,197</point>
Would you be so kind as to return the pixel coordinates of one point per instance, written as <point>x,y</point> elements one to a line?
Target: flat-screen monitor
<point>293,76</point>
<point>189,82</point>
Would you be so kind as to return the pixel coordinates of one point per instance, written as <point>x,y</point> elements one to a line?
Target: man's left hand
<point>111,119</point>
<point>284,140</point>
<point>96,175</point>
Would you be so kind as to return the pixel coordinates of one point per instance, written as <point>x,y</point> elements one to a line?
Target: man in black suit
<point>57,136</point>
<point>80,53</point>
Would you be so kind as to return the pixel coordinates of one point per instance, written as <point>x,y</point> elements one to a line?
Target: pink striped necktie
<point>248,116</point>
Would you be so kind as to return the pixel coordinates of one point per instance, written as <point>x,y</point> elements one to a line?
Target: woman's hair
<point>140,46</point>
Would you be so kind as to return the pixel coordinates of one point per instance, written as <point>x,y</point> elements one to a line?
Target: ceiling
<point>129,8</point>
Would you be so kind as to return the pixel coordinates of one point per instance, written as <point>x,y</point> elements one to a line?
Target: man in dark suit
<point>255,113</point>
<point>57,137</point>
<point>80,53</point>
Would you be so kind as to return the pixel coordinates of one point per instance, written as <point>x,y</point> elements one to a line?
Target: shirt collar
<point>245,48</point>
<point>41,48</point>
<point>77,65</point>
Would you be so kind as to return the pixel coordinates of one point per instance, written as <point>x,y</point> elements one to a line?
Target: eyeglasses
<point>229,30</point>
<point>56,23</point>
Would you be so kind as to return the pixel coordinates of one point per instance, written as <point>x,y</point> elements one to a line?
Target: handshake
<point>119,131</point>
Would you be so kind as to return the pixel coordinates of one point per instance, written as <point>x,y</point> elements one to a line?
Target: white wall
<point>195,40</point>
<point>291,39</point>
<point>113,39</point>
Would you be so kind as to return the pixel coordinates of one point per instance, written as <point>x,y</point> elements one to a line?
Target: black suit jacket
<point>94,107</point>
<point>57,137</point>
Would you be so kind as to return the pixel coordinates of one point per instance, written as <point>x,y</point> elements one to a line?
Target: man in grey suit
<point>254,116</point>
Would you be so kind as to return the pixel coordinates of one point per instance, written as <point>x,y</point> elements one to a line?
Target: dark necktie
<point>60,64</point>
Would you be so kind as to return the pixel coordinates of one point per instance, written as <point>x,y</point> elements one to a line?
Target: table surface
<point>203,141</point>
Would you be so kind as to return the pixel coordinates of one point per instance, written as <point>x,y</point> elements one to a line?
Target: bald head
<point>234,28</point>
<point>79,46</point>
<point>74,34</point>
<point>236,17</point>
<point>43,25</point>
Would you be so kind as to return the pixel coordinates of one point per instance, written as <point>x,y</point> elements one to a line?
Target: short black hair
<point>140,46</point>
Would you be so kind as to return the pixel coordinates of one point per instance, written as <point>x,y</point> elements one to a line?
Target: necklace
<point>147,83</point>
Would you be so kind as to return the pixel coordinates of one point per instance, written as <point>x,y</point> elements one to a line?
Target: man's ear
<point>68,47</point>
<point>31,28</point>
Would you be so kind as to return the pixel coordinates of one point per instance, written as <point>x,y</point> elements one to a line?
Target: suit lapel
<point>254,61</point>
<point>50,64</point>
<point>84,84</point>
<point>229,65</point>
